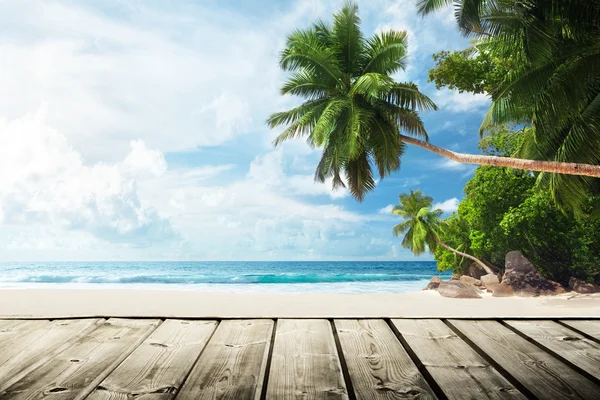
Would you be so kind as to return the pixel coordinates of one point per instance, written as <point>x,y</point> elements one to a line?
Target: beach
<point>63,303</point>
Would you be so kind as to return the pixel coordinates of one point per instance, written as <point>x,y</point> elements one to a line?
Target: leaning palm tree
<point>422,226</point>
<point>557,90</point>
<point>356,113</point>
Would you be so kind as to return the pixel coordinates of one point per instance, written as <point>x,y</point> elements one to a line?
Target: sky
<point>135,130</point>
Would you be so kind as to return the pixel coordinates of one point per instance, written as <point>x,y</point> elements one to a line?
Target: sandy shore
<point>55,303</point>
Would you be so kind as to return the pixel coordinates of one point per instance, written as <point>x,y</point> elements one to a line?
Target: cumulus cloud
<point>452,100</point>
<point>43,179</point>
<point>129,86</point>
<point>386,210</point>
<point>448,206</point>
<point>269,169</point>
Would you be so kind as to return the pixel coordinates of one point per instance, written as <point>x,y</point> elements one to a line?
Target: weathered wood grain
<point>305,364</point>
<point>563,341</point>
<point>233,364</point>
<point>157,368</point>
<point>459,371</point>
<point>75,371</point>
<point>15,329</point>
<point>8,327</point>
<point>27,345</point>
<point>588,327</point>
<point>378,365</point>
<point>542,374</point>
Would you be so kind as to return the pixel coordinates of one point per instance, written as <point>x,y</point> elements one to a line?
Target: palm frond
<point>428,6</point>
<point>385,53</point>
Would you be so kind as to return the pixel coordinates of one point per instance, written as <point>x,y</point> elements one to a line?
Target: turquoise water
<point>321,277</point>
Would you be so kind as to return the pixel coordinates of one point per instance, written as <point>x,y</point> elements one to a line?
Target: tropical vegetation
<point>422,226</point>
<point>361,118</point>
<point>503,210</point>
<point>539,60</point>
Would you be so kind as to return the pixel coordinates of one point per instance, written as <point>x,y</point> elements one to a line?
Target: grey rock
<point>503,290</point>
<point>433,283</point>
<point>457,290</point>
<point>490,281</point>
<point>583,287</point>
<point>522,276</point>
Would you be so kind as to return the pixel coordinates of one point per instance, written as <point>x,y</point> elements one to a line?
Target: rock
<point>490,281</point>
<point>583,287</point>
<point>469,280</point>
<point>516,262</point>
<point>433,283</point>
<point>522,276</point>
<point>475,271</point>
<point>457,290</point>
<point>503,290</point>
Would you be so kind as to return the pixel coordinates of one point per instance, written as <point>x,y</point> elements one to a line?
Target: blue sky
<point>134,130</point>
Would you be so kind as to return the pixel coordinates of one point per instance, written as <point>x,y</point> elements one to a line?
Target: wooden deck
<point>112,359</point>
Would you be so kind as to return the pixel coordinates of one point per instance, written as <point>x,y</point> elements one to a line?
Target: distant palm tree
<point>355,111</point>
<point>422,226</point>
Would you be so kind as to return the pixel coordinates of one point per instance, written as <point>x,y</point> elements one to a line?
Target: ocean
<point>282,277</point>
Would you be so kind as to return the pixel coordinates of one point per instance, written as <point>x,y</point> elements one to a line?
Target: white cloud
<point>153,75</point>
<point>386,210</point>
<point>454,101</point>
<point>128,87</point>
<point>268,169</point>
<point>448,206</point>
<point>43,179</point>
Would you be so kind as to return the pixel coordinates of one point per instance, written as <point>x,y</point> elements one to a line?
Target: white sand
<point>54,303</point>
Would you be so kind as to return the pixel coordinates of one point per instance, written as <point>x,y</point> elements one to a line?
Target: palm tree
<point>357,113</point>
<point>422,226</point>
<point>557,91</point>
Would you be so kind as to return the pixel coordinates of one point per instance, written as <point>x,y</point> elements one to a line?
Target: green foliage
<point>421,226</point>
<point>456,235</point>
<point>353,109</point>
<point>488,195</point>
<point>559,246</point>
<point>502,141</point>
<point>502,211</point>
<point>481,73</point>
<point>552,83</point>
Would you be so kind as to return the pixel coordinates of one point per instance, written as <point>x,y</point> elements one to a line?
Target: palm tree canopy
<point>421,226</point>
<point>557,90</point>
<point>353,109</point>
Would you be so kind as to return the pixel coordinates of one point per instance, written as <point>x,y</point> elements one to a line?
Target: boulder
<point>522,276</point>
<point>457,290</point>
<point>503,290</point>
<point>433,283</point>
<point>469,280</point>
<point>475,271</point>
<point>583,287</point>
<point>490,281</point>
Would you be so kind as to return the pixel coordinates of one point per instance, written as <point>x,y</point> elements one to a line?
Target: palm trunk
<point>460,253</point>
<point>516,163</point>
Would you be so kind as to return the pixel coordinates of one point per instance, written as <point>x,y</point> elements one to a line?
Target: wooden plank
<point>77,370</point>
<point>305,363</point>
<point>158,367</point>
<point>7,326</point>
<point>378,365</point>
<point>33,342</point>
<point>563,341</point>
<point>460,372</point>
<point>233,364</point>
<point>15,329</point>
<point>589,327</point>
<point>543,375</point>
